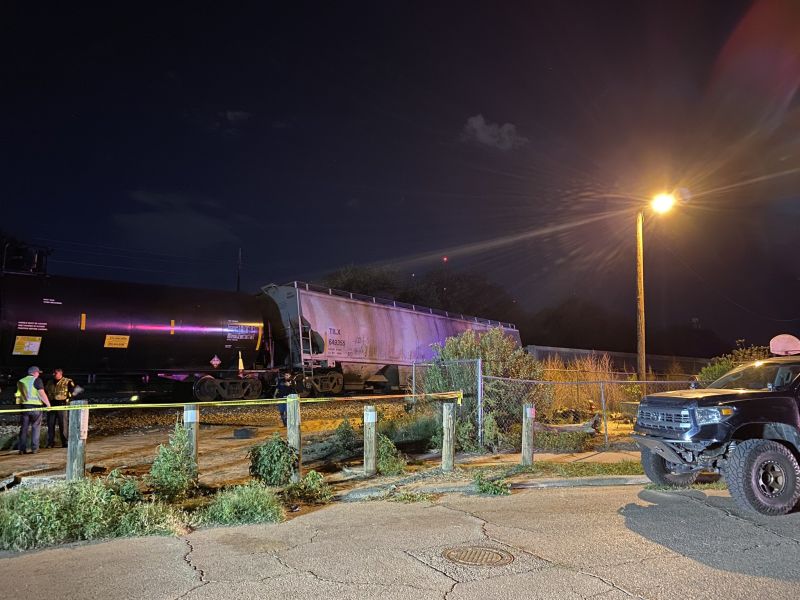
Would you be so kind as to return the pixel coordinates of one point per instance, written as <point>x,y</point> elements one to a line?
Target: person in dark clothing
<point>283,387</point>
<point>31,395</point>
<point>59,390</point>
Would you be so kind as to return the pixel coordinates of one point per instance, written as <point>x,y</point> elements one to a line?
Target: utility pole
<point>641,359</point>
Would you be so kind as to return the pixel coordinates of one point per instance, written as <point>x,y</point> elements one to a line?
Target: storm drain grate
<point>478,556</point>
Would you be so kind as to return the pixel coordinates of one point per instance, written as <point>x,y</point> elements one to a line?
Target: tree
<point>720,365</point>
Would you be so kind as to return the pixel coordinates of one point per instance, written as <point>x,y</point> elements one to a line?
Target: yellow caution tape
<point>456,395</point>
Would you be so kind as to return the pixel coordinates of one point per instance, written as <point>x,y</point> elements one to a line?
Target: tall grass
<point>82,510</point>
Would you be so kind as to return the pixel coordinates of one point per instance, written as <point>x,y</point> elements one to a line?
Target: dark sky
<point>519,138</point>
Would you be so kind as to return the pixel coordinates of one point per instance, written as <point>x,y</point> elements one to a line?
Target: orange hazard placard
<point>117,341</point>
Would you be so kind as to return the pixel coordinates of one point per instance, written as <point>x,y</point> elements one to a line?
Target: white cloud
<point>503,137</point>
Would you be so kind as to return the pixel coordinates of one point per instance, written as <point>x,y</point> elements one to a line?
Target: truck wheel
<point>661,472</point>
<point>763,476</point>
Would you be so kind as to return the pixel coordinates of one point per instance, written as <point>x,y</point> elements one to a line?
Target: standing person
<point>59,390</point>
<point>283,387</point>
<point>31,394</point>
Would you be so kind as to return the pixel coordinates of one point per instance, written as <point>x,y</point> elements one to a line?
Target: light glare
<point>663,203</point>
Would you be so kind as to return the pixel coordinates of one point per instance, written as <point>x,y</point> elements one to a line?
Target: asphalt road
<point>567,543</point>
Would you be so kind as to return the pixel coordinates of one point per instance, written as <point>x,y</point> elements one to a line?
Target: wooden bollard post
<point>370,441</point>
<point>191,417</point>
<point>528,419</point>
<point>293,433</point>
<point>448,435</point>
<point>76,448</point>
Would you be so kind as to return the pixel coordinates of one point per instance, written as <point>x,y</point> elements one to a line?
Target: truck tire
<point>658,471</point>
<point>763,476</point>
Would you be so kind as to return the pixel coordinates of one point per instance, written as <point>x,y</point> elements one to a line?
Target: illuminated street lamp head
<point>663,203</point>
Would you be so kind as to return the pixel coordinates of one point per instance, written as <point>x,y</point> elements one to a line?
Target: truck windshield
<point>760,375</point>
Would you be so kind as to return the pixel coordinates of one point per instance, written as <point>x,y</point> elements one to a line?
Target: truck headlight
<point>707,416</point>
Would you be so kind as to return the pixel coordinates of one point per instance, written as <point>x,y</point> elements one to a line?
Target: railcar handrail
<point>321,289</point>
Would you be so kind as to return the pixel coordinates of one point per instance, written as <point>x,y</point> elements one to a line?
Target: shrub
<point>273,461</point>
<point>413,428</point>
<point>390,460</point>
<point>492,487</point>
<point>344,438</point>
<point>174,471</point>
<point>312,489</point>
<point>124,486</point>
<point>81,510</point>
<point>562,441</point>
<point>720,365</point>
<point>243,504</point>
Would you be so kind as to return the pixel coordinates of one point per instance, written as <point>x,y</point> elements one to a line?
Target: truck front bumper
<point>659,447</point>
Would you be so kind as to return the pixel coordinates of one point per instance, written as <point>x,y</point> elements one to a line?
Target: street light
<point>661,204</point>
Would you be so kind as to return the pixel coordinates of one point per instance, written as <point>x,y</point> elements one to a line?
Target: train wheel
<point>252,388</point>
<point>206,389</point>
<point>337,383</point>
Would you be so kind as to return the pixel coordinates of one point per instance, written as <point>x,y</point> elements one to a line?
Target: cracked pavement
<point>568,543</point>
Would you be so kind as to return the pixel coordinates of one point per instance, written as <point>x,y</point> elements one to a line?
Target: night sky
<point>149,143</point>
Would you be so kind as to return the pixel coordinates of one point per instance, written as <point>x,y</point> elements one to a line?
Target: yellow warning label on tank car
<point>117,341</point>
<point>27,345</point>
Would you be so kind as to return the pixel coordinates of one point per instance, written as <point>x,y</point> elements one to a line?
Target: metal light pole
<point>660,204</point>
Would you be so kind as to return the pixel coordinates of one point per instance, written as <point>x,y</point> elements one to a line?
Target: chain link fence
<point>569,413</point>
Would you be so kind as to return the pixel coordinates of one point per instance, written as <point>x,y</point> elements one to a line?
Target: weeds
<point>312,489</point>
<point>390,460</point>
<point>344,438</point>
<point>81,510</point>
<point>273,461</point>
<point>173,474</point>
<point>713,485</point>
<point>124,486</point>
<point>411,497</point>
<point>578,469</point>
<point>252,502</point>
<point>491,487</point>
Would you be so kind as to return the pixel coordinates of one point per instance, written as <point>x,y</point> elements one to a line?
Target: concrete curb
<point>467,487</point>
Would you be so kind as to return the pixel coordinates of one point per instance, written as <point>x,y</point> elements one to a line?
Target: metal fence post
<point>293,433</point>
<point>448,435</point>
<point>76,447</point>
<point>414,380</point>
<point>190,420</point>
<point>370,440</point>
<point>480,402</point>
<point>605,415</point>
<point>528,419</point>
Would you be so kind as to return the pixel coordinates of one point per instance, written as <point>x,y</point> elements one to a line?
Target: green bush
<point>492,487</point>
<point>124,486</point>
<point>345,438</point>
<point>390,460</point>
<point>562,441</point>
<point>82,510</point>
<point>413,428</point>
<point>173,474</point>
<point>720,365</point>
<point>273,461</point>
<point>243,504</point>
<point>312,489</point>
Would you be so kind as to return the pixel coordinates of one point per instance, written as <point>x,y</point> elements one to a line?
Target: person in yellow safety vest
<point>59,391</point>
<point>31,394</point>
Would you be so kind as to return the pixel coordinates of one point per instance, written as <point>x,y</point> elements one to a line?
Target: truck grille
<point>664,419</point>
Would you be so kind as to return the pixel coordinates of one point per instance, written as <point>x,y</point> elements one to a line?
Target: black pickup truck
<point>744,426</point>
